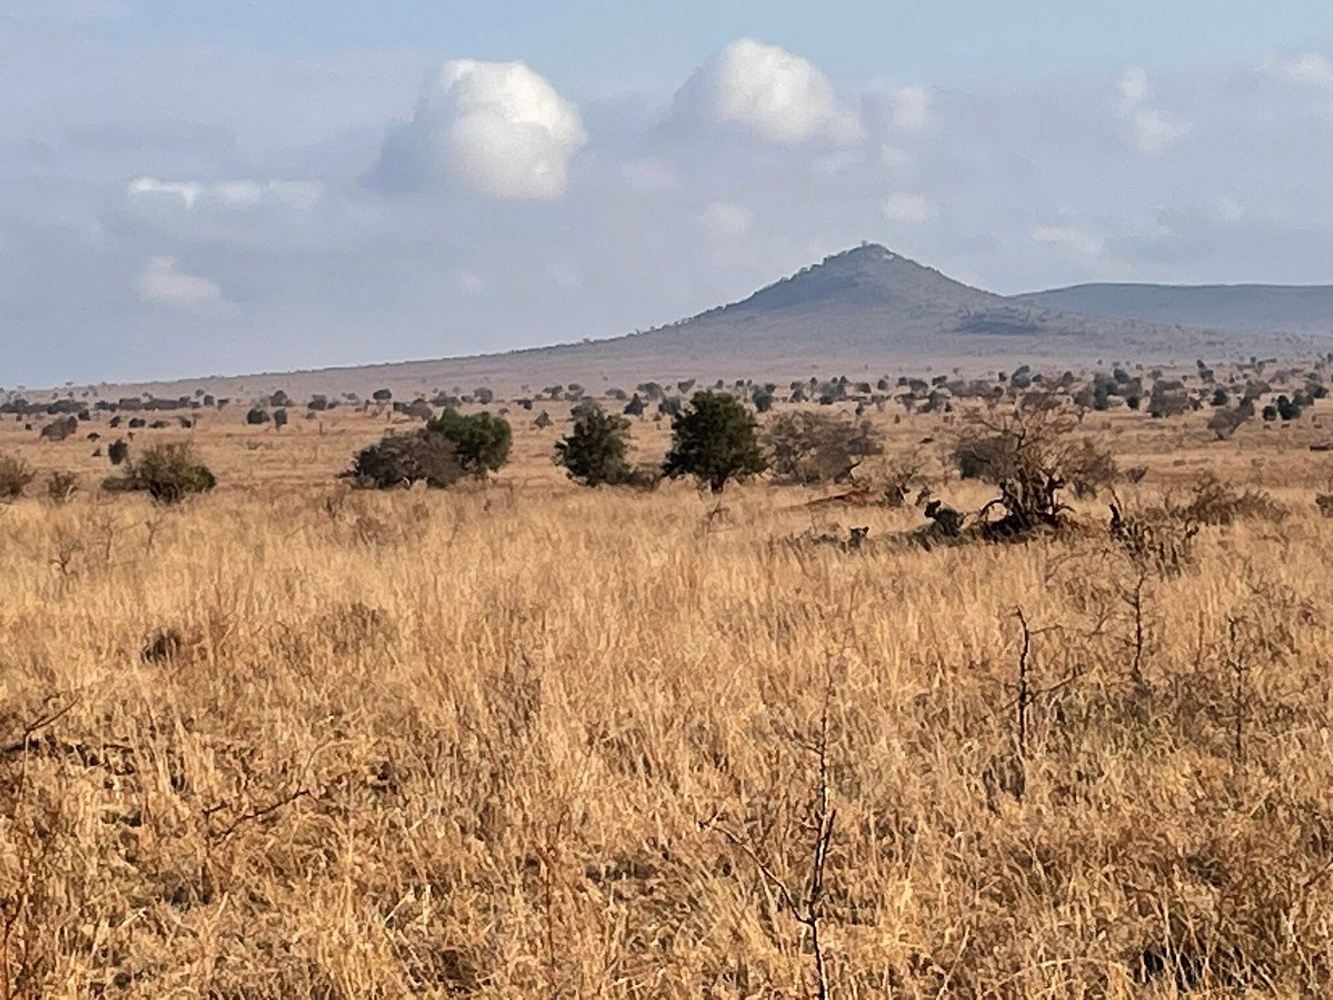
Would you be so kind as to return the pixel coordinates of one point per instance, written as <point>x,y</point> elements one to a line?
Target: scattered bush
<point>714,440</point>
<point>117,451</point>
<point>168,473</point>
<point>1288,409</point>
<point>480,441</point>
<point>257,416</point>
<point>1168,399</point>
<point>1213,502</point>
<point>15,477</point>
<point>61,486</point>
<point>404,459</point>
<point>819,447</point>
<point>1226,421</point>
<point>594,451</point>
<point>1030,455</point>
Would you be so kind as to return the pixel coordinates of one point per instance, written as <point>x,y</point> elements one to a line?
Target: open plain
<point>525,738</point>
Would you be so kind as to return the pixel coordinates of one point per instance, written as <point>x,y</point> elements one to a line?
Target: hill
<point>1299,309</point>
<point>865,310</point>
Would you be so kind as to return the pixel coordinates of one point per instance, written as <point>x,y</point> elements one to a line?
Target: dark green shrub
<point>257,416</point>
<point>714,440</point>
<point>1288,409</point>
<point>117,451</point>
<point>404,459</point>
<point>480,441</point>
<point>594,451</point>
<point>168,473</point>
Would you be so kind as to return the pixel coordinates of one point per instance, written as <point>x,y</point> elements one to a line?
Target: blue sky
<point>197,187</point>
<point>614,45</point>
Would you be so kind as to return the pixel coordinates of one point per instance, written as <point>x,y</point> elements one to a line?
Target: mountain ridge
<point>866,308</point>
<point>1241,306</point>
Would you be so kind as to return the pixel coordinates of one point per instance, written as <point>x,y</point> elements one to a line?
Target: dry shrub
<point>1162,544</point>
<point>1324,501</point>
<point>904,476</point>
<point>1213,502</point>
<point>61,487</point>
<point>15,477</point>
<point>810,448</point>
<point>1030,454</point>
<point>163,646</point>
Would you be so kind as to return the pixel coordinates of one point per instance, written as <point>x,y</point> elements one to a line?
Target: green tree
<point>480,441</point>
<point>714,440</point>
<point>168,473</point>
<point>594,451</point>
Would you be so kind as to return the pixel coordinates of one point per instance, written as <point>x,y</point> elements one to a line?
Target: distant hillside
<point>865,310</point>
<point>1301,309</point>
<point>870,303</point>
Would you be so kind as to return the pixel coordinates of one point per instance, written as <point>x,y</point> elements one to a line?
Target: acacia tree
<point>594,451</point>
<point>714,439</point>
<point>1029,452</point>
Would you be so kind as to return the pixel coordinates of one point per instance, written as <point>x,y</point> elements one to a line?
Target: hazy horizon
<point>210,189</point>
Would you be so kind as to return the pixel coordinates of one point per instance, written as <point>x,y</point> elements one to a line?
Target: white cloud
<point>1133,88</point>
<point>501,127</point>
<point>1068,238</point>
<point>229,195</point>
<point>908,209</point>
<point>1154,130</point>
<point>1306,68</point>
<point>726,222</point>
<point>1150,129</point>
<point>910,107</point>
<point>471,282</point>
<point>163,281</point>
<point>774,93</point>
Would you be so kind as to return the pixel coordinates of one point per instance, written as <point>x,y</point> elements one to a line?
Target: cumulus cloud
<point>500,127</point>
<point>773,93</point>
<point>908,209</point>
<point>163,281</point>
<point>910,107</point>
<point>228,195</point>
<point>1150,129</point>
<point>1307,68</point>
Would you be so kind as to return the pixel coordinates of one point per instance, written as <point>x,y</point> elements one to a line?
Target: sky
<point>192,188</point>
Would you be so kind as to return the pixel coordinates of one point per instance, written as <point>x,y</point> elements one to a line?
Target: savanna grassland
<point>521,738</point>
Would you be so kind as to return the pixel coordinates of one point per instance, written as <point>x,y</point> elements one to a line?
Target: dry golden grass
<point>527,740</point>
